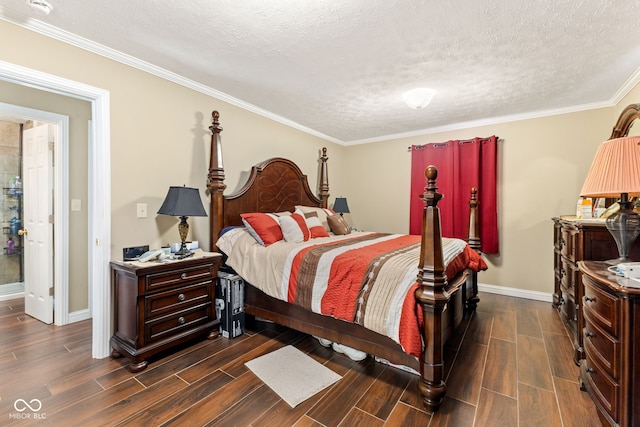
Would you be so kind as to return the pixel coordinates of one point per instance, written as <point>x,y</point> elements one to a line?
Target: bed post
<point>432,296</point>
<point>215,182</point>
<point>324,179</point>
<point>473,238</point>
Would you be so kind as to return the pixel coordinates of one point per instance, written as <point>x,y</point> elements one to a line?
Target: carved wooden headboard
<point>274,185</point>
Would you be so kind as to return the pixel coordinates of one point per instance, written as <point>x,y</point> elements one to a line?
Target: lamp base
<point>183,250</point>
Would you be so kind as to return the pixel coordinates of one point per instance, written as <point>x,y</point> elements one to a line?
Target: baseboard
<point>7,297</point>
<point>80,315</point>
<point>514,292</point>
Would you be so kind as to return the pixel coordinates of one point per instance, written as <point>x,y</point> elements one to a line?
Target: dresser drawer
<point>569,273</point>
<point>179,277</point>
<point>603,388</point>
<point>173,324</point>
<point>175,300</point>
<point>602,347</point>
<point>568,243</point>
<point>568,311</point>
<point>601,307</point>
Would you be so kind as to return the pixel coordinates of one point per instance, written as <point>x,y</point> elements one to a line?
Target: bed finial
<point>431,195</point>
<point>324,179</point>
<point>473,235</point>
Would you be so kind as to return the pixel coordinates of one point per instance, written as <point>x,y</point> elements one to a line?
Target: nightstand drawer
<point>175,300</point>
<point>603,388</point>
<point>601,307</point>
<point>184,320</point>
<point>602,347</point>
<point>179,277</point>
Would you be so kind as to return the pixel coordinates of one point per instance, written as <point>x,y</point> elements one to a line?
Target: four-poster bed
<point>278,185</point>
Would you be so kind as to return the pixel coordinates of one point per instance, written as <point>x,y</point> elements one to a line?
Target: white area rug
<point>293,375</point>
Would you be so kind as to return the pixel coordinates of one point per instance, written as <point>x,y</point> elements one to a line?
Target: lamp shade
<point>182,201</point>
<point>615,169</point>
<point>341,205</point>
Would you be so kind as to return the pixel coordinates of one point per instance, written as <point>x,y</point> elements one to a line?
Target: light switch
<point>142,210</point>
<point>76,205</point>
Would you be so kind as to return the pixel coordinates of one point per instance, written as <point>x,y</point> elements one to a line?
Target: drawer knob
<point>181,320</point>
<point>181,297</point>
<point>183,276</point>
<point>589,299</point>
<point>589,334</point>
<point>591,370</point>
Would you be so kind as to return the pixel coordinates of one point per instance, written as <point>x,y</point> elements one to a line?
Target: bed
<point>440,302</point>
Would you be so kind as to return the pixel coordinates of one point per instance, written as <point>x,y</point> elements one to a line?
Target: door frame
<point>61,207</point>
<point>99,197</point>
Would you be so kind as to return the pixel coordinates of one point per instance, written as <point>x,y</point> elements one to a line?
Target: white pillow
<point>321,212</point>
<point>294,228</point>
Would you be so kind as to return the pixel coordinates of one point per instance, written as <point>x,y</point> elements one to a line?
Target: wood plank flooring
<point>513,367</point>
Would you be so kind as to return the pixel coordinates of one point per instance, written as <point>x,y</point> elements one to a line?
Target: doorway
<point>99,207</point>
<point>26,154</point>
<point>11,259</point>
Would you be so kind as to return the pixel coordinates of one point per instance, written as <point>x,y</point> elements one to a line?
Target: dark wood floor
<point>513,368</point>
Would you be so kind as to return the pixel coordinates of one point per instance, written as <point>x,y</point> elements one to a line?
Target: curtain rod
<point>443,144</point>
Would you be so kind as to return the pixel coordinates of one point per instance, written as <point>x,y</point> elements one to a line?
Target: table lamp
<point>341,206</point>
<point>615,172</point>
<point>182,202</point>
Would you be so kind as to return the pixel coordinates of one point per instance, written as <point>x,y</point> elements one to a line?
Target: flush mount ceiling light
<point>419,97</point>
<point>41,6</point>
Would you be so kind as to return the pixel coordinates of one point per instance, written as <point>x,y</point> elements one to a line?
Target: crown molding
<point>107,52</point>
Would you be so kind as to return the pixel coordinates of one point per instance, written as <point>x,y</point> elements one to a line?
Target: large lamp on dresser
<point>615,172</point>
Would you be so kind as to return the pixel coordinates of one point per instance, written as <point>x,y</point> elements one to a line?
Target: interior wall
<point>160,137</point>
<point>541,167</point>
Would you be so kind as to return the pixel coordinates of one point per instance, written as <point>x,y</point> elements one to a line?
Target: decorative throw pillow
<point>316,229</point>
<point>264,227</point>
<point>321,212</point>
<point>338,225</point>
<point>294,228</point>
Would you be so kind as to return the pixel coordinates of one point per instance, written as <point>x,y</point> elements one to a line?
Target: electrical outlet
<point>142,210</point>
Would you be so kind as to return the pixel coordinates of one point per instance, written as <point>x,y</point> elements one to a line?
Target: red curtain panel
<point>461,166</point>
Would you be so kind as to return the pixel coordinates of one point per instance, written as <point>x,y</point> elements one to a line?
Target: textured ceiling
<point>339,68</point>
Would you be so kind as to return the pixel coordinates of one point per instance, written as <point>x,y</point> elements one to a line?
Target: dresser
<point>574,241</point>
<point>610,371</point>
<point>159,305</point>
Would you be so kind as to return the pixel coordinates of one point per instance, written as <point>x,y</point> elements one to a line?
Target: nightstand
<point>610,371</point>
<point>159,305</point>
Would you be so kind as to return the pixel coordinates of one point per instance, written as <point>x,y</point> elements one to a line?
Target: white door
<point>37,229</point>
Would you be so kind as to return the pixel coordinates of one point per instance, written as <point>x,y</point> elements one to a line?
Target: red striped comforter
<point>366,278</point>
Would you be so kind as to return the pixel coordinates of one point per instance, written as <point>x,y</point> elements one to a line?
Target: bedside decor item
<point>341,206</point>
<point>615,172</point>
<point>182,202</point>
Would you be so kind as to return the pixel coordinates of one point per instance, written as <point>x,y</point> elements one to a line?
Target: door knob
<point>23,232</point>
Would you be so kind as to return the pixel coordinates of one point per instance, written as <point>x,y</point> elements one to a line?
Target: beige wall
<point>541,167</point>
<point>160,137</point>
